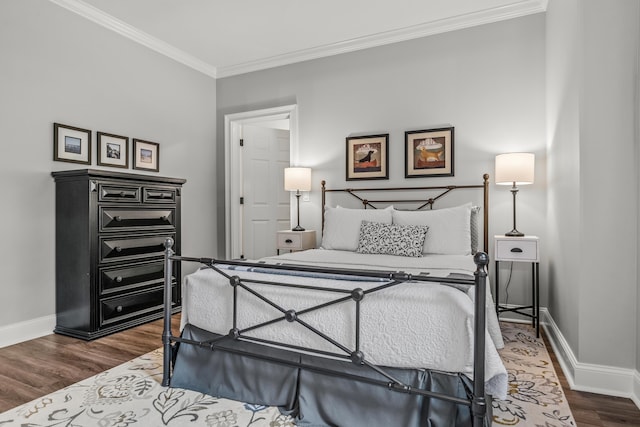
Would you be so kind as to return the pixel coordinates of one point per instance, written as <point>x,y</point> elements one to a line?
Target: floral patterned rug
<point>534,397</point>
<point>131,395</point>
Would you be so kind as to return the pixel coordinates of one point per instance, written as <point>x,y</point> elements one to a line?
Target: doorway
<point>256,152</point>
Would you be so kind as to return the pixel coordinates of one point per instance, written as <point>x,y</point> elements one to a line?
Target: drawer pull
<point>164,218</point>
<point>117,249</point>
<point>516,250</point>
<point>288,241</point>
<point>122,194</point>
<point>117,218</point>
<point>119,309</point>
<point>119,279</point>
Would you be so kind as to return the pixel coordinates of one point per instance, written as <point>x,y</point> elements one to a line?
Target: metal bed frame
<point>476,400</point>
<point>429,194</point>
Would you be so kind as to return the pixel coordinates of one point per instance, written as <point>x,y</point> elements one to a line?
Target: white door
<point>233,126</point>
<point>265,208</point>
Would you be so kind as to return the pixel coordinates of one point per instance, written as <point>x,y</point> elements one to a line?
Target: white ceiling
<point>227,37</point>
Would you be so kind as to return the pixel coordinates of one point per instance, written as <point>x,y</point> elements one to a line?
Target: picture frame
<point>146,155</point>
<point>429,153</point>
<point>367,157</point>
<point>71,144</point>
<point>113,150</point>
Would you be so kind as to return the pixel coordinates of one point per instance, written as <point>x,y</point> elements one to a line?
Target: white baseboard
<point>636,389</point>
<point>601,379</point>
<point>28,330</point>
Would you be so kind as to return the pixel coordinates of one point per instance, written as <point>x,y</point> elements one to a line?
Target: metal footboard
<point>477,401</point>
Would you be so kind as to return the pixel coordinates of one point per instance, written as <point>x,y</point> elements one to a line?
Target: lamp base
<point>297,228</point>
<point>514,233</point>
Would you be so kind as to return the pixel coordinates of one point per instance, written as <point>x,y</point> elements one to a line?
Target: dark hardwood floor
<point>34,368</point>
<point>38,367</point>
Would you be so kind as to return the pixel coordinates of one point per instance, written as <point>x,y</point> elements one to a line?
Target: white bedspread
<point>435,265</point>
<point>414,325</point>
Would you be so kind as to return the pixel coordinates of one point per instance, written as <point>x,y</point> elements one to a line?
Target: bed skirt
<point>314,398</point>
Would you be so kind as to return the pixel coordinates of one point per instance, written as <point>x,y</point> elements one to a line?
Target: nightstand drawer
<point>296,240</point>
<point>517,250</point>
<point>291,241</point>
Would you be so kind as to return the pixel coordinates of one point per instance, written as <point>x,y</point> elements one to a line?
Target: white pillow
<point>449,229</point>
<point>342,226</point>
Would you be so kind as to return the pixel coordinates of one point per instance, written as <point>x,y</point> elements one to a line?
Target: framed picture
<point>368,157</point>
<point>428,153</point>
<point>146,155</point>
<point>113,150</point>
<point>71,144</point>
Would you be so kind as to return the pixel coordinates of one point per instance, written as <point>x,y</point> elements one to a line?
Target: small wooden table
<point>520,249</point>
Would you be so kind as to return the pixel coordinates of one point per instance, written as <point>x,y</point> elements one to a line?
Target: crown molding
<point>99,17</point>
<point>487,16</point>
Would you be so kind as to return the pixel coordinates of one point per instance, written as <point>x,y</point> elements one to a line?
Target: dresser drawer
<point>119,193</point>
<point>112,219</point>
<point>131,277</point>
<point>159,195</point>
<point>517,250</point>
<point>113,249</point>
<point>131,306</point>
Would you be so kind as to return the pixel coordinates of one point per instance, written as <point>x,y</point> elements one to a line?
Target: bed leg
<point>479,404</point>
<point>168,302</point>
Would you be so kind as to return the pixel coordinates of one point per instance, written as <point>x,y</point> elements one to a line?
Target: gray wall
<point>563,53</point>
<point>59,67</point>
<point>488,82</point>
<point>593,197</point>
<point>607,113</point>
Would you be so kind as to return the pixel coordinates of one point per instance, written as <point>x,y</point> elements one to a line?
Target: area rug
<point>131,395</point>
<point>534,397</point>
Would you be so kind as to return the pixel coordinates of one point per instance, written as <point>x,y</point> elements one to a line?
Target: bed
<point>377,327</point>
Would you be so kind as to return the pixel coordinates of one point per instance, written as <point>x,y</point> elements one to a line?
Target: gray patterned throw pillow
<point>391,239</point>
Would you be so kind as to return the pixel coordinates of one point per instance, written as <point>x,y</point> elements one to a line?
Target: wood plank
<point>34,368</point>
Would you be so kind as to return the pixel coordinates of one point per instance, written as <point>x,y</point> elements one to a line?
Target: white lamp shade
<point>297,179</point>
<point>515,167</point>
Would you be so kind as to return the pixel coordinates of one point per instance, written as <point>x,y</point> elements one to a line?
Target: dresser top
<point>99,173</point>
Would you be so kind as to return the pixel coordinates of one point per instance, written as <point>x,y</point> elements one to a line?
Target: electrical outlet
<point>305,196</point>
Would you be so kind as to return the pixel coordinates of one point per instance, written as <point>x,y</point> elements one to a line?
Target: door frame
<point>233,165</point>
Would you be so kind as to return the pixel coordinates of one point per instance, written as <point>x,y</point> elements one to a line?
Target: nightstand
<point>520,249</point>
<point>295,240</point>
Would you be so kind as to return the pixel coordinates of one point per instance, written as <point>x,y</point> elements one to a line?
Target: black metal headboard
<point>413,195</point>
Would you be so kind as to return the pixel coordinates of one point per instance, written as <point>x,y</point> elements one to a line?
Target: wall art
<point>368,157</point>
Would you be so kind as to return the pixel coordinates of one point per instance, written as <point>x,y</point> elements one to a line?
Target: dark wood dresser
<point>110,233</point>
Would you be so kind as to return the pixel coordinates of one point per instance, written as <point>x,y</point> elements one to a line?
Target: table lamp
<point>515,169</point>
<point>297,179</point>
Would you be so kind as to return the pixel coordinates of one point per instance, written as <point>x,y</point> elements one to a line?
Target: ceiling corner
<point>99,17</point>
